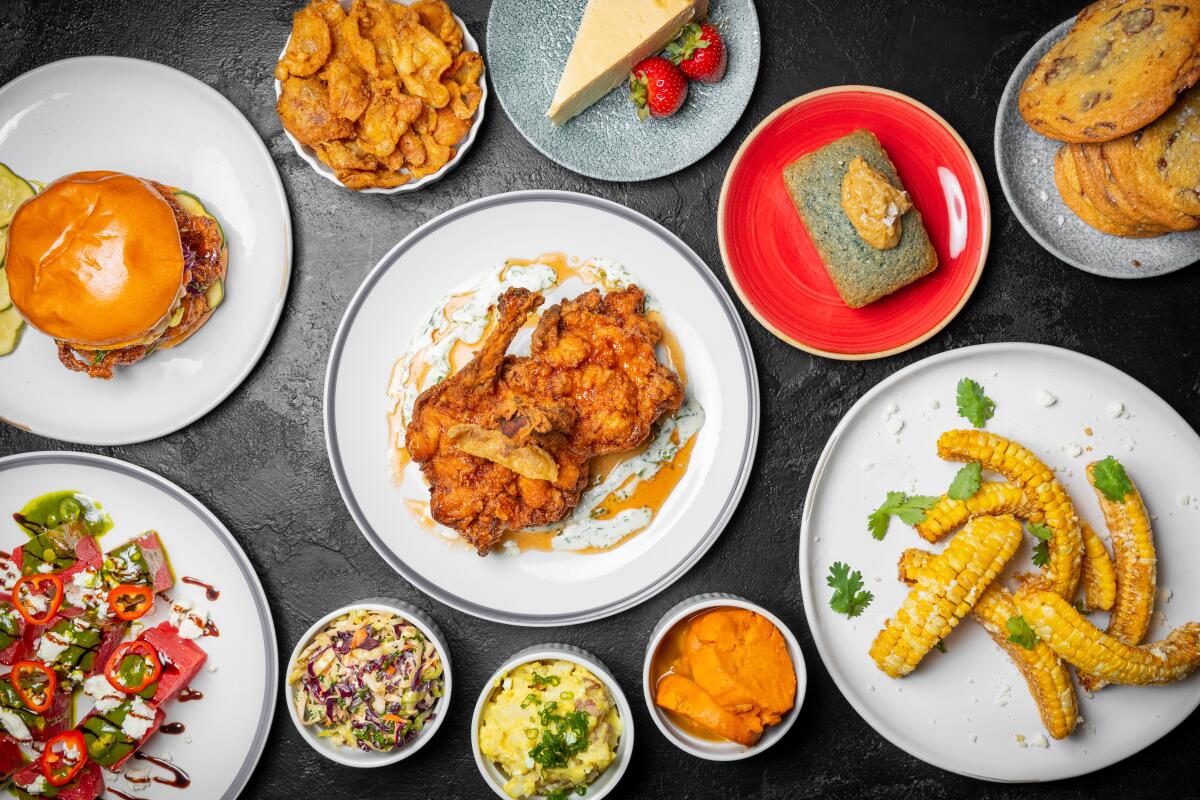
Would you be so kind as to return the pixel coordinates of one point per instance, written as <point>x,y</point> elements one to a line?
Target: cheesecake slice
<point>613,36</point>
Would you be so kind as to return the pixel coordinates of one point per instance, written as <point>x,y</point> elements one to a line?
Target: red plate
<point>774,266</point>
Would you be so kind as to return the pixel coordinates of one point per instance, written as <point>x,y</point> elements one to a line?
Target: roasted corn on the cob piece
<point>1098,574</point>
<point>1021,467</point>
<point>992,498</point>
<point>1047,676</point>
<point>1077,641</point>
<point>1136,567</point>
<point>945,591</point>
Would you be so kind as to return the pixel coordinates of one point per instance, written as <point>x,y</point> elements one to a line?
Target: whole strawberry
<point>657,87</point>
<point>700,53</point>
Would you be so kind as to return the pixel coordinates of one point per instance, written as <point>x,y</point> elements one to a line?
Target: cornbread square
<point>861,273</point>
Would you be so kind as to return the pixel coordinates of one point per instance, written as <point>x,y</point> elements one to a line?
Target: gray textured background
<point>259,461</point>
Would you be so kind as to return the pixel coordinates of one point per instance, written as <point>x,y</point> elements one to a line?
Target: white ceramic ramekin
<point>607,781</point>
<point>360,758</point>
<point>705,748</point>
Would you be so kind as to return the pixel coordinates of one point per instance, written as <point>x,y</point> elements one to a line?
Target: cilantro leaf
<point>1109,477</point>
<point>1020,633</point>
<point>848,595</point>
<point>966,482</point>
<point>909,508</point>
<point>1041,550</point>
<point>973,405</point>
<point>940,645</point>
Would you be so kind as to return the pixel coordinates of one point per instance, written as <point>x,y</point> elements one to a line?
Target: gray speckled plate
<point>527,47</point>
<point>1025,161</point>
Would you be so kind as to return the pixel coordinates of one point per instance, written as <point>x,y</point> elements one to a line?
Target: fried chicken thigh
<point>592,384</point>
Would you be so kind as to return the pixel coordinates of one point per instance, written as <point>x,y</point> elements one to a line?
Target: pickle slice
<point>14,190</point>
<point>5,299</point>
<point>215,294</point>
<point>10,330</point>
<point>191,204</point>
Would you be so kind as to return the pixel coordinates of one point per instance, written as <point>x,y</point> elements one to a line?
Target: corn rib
<point>1136,568</point>
<point>945,591</point>
<point>1021,467</point>
<point>992,498</point>
<point>1046,675</point>
<point>1077,641</point>
<point>1098,574</point>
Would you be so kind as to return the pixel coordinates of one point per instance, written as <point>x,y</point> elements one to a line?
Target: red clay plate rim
<point>981,192</point>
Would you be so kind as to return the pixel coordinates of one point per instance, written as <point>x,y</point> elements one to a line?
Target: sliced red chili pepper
<point>134,666</point>
<point>63,757</point>
<point>35,684</point>
<point>35,585</point>
<point>129,601</point>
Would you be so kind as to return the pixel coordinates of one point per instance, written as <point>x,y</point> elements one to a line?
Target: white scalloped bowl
<point>708,749</point>
<point>460,149</point>
<point>351,757</point>
<point>603,785</point>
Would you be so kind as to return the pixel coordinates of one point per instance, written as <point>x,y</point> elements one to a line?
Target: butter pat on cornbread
<point>885,246</point>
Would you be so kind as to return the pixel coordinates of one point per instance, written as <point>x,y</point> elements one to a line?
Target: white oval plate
<point>933,713</point>
<point>537,588</point>
<point>325,171</point>
<point>225,731</point>
<point>149,120</point>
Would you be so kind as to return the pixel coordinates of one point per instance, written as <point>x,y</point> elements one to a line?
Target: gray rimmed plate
<point>1025,162</point>
<point>226,728</point>
<point>450,254</point>
<point>527,46</point>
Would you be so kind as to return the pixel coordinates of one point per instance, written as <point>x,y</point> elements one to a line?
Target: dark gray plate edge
<point>288,249</point>
<point>671,575</point>
<point>744,103</point>
<point>1007,99</point>
<point>266,714</point>
<point>809,601</point>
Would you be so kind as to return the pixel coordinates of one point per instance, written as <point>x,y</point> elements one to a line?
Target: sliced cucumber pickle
<point>191,204</point>
<point>5,299</point>
<point>14,190</point>
<point>3,244</point>
<point>176,316</point>
<point>215,294</point>
<point>10,330</point>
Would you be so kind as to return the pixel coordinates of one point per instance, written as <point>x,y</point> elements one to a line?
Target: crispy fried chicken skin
<point>591,385</point>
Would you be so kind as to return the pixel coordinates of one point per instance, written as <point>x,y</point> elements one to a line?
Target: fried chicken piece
<point>597,353</point>
<point>591,385</point>
<point>308,47</point>
<point>477,497</point>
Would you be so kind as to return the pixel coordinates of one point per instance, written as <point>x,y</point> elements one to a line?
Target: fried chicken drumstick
<point>505,443</point>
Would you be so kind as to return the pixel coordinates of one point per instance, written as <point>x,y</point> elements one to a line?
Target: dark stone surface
<point>259,460</point>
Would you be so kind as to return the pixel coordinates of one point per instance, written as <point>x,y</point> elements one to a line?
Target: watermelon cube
<point>181,660</point>
<point>11,757</point>
<point>110,741</point>
<point>142,562</point>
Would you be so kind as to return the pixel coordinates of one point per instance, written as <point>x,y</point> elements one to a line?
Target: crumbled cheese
<point>934,403</point>
<point>1045,399</point>
<point>189,618</point>
<point>1116,409</point>
<point>891,411</point>
<point>104,695</point>
<point>1021,740</point>
<point>37,786</point>
<point>895,425</point>
<point>972,738</point>
<point>211,667</point>
<point>1005,695</point>
<point>45,567</point>
<point>138,720</point>
<point>50,645</point>
<point>1183,498</point>
<point>16,727</point>
<point>1040,741</point>
<point>1072,449</point>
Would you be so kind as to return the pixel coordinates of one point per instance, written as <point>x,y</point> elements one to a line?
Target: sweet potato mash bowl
<point>724,679</point>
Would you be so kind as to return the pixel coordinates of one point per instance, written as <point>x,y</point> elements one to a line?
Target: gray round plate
<point>1025,161</point>
<point>527,47</point>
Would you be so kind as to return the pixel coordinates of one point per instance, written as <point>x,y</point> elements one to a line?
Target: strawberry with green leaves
<point>700,53</point>
<point>657,87</point>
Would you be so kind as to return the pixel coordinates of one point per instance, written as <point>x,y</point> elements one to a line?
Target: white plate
<point>226,730</point>
<point>139,117</point>
<point>951,697</point>
<point>325,171</point>
<point>449,252</point>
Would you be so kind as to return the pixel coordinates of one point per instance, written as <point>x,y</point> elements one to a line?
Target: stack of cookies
<point>1117,90</point>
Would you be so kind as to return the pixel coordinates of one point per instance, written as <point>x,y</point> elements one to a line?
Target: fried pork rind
<point>383,93</point>
<point>303,107</point>
<point>308,48</point>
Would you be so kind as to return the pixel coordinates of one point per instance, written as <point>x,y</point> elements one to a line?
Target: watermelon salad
<point>73,622</point>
